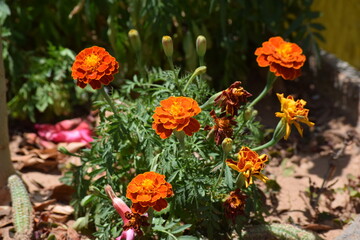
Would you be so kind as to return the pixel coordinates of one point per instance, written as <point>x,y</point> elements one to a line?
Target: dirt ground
<point>313,172</point>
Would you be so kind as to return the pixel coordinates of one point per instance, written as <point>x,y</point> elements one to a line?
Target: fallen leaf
<point>62,193</point>
<point>42,205</point>
<point>63,209</point>
<point>46,153</point>
<point>317,227</point>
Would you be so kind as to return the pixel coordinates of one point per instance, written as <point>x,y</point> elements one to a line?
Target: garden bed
<point>330,152</point>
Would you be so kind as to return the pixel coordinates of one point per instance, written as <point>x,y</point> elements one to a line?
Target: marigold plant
<point>284,58</point>
<point>148,190</point>
<point>250,164</point>
<point>176,113</point>
<point>130,156</point>
<point>94,66</point>
<point>293,112</point>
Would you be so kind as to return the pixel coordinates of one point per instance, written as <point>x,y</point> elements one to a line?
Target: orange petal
<point>192,127</point>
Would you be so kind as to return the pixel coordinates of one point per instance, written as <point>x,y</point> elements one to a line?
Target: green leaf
<point>87,199</point>
<point>4,12</point>
<point>228,177</point>
<point>181,228</point>
<point>81,223</point>
<point>187,237</point>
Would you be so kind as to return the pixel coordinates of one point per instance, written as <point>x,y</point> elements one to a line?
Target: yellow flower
<point>249,164</point>
<point>293,112</point>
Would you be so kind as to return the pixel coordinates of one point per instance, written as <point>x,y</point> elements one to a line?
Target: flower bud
<point>134,39</point>
<point>201,45</point>
<point>249,113</point>
<point>167,44</point>
<point>280,130</point>
<point>119,205</point>
<point>199,71</point>
<point>227,145</point>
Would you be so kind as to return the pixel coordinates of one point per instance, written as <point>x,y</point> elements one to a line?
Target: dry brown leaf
<point>72,234</point>
<point>317,227</point>
<point>5,210</point>
<point>59,233</point>
<point>42,205</point>
<point>46,153</point>
<point>59,218</point>
<point>62,192</point>
<point>73,147</point>
<point>23,158</point>
<point>6,220</point>
<point>63,209</point>
<point>5,233</point>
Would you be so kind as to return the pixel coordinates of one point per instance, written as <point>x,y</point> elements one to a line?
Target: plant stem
<point>140,64</point>
<point>270,143</point>
<point>112,106</point>
<point>180,135</point>
<point>271,78</point>
<point>210,101</point>
<point>201,61</point>
<point>221,170</point>
<point>6,168</point>
<point>199,71</point>
<point>175,75</point>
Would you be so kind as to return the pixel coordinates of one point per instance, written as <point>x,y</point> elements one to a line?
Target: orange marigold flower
<point>235,204</point>
<point>293,112</point>
<point>231,98</point>
<point>148,190</point>
<point>94,66</point>
<point>175,113</point>
<point>223,127</point>
<point>249,164</point>
<point>284,58</point>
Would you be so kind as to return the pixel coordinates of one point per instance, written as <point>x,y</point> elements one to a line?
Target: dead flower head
<point>235,204</point>
<point>223,127</point>
<point>232,98</point>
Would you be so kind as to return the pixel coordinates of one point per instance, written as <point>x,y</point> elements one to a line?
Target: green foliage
<point>233,28</point>
<point>127,145</point>
<point>47,86</point>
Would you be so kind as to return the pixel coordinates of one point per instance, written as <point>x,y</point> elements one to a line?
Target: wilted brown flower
<point>223,127</point>
<point>135,221</point>
<point>235,204</point>
<point>231,98</point>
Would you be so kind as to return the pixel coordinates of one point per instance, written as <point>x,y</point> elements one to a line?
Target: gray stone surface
<point>352,232</point>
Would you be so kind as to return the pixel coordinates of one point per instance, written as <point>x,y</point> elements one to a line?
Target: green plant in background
<point>168,135</point>
<point>232,28</point>
<point>47,87</point>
